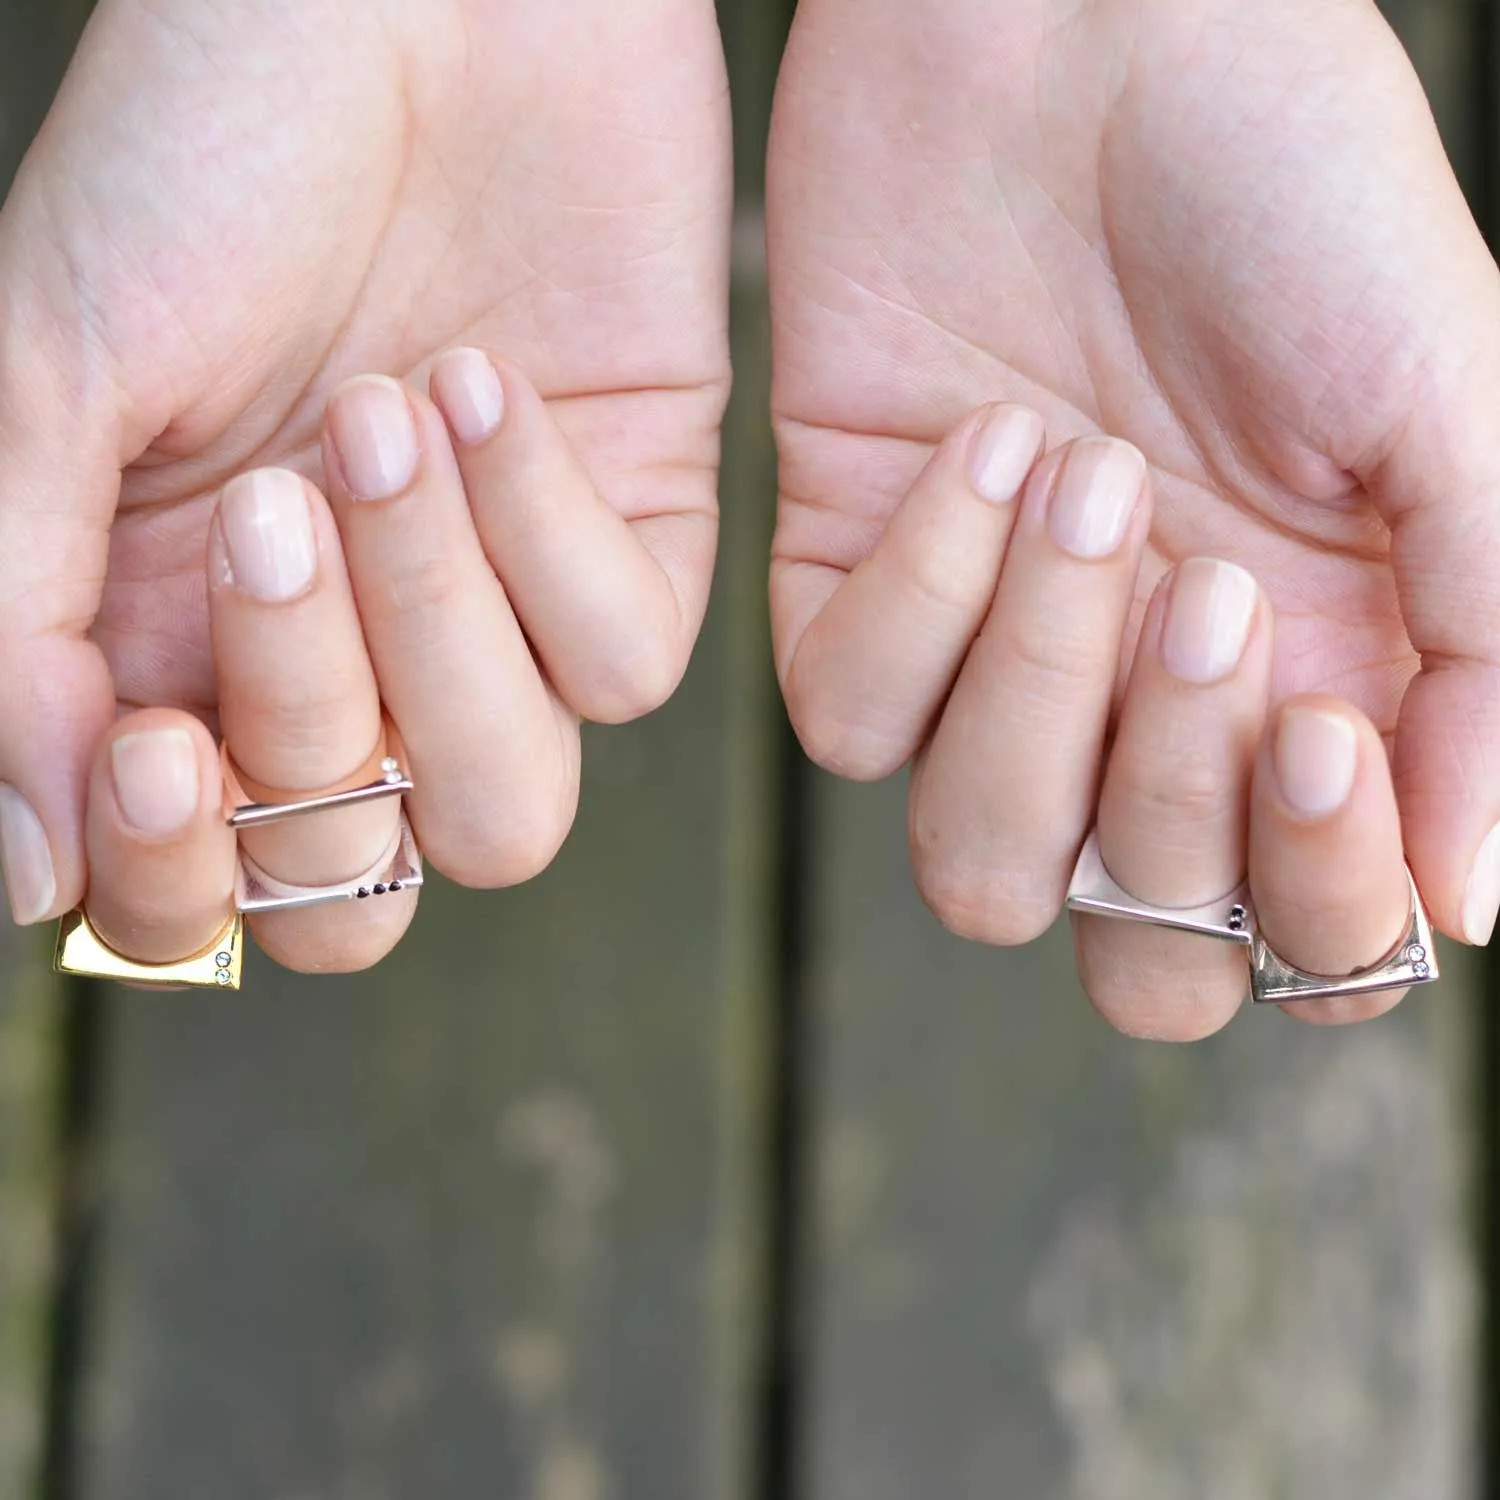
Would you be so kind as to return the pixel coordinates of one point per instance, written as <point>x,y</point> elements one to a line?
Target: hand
<point>326,612</point>
<point>229,210</point>
<point>1226,233</point>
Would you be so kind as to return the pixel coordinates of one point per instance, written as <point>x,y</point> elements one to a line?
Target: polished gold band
<point>80,950</point>
<point>247,804</point>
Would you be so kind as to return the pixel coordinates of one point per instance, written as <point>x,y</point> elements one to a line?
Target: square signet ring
<point>248,805</point>
<point>1273,981</point>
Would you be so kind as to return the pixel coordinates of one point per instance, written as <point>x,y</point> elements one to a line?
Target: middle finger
<point>1001,799</point>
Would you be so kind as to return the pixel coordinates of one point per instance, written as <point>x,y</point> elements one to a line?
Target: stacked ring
<point>81,951</point>
<point>1273,981</point>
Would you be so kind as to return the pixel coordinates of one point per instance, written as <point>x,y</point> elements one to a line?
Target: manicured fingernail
<point>25,859</point>
<point>1482,897</point>
<point>373,431</point>
<point>268,535</point>
<point>156,779</point>
<point>1210,610</point>
<point>1004,450</point>
<point>1316,755</point>
<point>1096,496</point>
<point>466,387</point>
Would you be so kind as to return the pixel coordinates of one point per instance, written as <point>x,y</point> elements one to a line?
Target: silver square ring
<point>1273,981</point>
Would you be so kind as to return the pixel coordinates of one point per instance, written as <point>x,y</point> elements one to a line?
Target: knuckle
<point>999,907</point>
<point>421,587</point>
<point>497,849</point>
<point>1056,658</point>
<point>833,741</point>
<point>949,574</point>
<point>852,751</point>
<point>1151,988</point>
<point>1185,789</point>
<point>306,943</point>
<point>627,686</point>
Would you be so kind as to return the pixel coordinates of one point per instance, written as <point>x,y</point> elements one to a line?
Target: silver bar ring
<point>1273,981</point>
<point>398,869</point>
<point>383,774</point>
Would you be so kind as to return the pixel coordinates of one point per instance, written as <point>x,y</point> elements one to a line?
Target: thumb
<point>59,483</point>
<point>1439,490</point>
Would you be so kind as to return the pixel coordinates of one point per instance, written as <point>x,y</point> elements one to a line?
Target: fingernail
<point>268,535</point>
<point>375,437</point>
<point>1005,448</point>
<point>1096,496</point>
<point>1210,610</point>
<point>466,387</point>
<point>1482,896</point>
<point>25,859</point>
<point>1315,758</point>
<point>156,779</point>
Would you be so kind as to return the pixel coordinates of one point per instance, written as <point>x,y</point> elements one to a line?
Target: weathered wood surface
<point>35,41</point>
<point>1042,1261</point>
<point>488,1220</point>
<point>28,1061</point>
<point>470,1224</point>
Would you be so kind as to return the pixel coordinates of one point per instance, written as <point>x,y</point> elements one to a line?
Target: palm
<point>254,202</point>
<point>1199,238</point>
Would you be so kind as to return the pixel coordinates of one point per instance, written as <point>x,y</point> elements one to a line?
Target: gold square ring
<point>80,950</point>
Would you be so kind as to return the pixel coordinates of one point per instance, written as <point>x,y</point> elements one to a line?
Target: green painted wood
<point>35,41</point>
<point>475,1223</point>
<point>1046,1261</point>
<point>28,1193</point>
<point>1043,1261</point>
<point>487,1221</point>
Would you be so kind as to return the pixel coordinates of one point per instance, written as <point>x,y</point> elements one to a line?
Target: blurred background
<point>707,1167</point>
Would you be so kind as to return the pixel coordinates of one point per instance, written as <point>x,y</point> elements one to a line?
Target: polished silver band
<point>399,868</point>
<point>1273,981</point>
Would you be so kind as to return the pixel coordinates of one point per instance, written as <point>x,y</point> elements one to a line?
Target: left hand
<point>229,211</point>
<point>449,524</point>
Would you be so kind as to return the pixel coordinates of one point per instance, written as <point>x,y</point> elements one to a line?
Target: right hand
<point>1225,232</point>
<point>229,210</point>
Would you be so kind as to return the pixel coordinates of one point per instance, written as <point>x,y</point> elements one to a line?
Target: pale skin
<point>230,211</point>
<point>1188,227</point>
<point>1227,234</point>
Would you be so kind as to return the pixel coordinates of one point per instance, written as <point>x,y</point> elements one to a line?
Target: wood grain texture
<point>28,1194</point>
<point>1044,1261</point>
<point>461,1226</point>
<point>488,1220</point>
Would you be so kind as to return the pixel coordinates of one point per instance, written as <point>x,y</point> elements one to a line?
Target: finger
<point>867,658</point>
<point>60,452</point>
<point>612,607</point>
<point>300,712</point>
<point>494,754</point>
<point>1327,873</point>
<point>1003,796</point>
<point>1174,808</point>
<point>161,857</point>
<point>1434,477</point>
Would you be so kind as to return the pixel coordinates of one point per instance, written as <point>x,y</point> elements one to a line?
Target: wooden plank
<point>488,1219</point>
<point>468,1223</point>
<point>28,1068</point>
<point>35,41</point>
<point>1044,1261</point>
